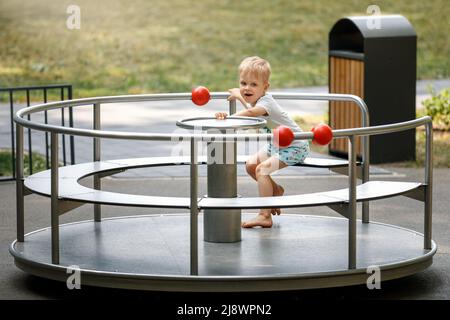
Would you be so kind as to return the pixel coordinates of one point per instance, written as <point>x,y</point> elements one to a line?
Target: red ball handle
<point>323,134</point>
<point>200,95</point>
<point>283,136</point>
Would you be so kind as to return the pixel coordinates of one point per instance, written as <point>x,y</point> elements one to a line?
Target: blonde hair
<point>257,66</point>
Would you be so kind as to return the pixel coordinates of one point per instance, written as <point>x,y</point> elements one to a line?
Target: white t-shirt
<point>276,116</point>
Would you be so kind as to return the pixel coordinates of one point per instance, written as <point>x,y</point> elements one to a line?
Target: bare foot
<point>277,193</point>
<point>259,221</point>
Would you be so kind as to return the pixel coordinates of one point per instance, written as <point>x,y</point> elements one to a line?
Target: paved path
<point>433,283</point>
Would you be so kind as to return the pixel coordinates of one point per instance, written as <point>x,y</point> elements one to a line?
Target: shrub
<point>39,163</point>
<point>438,108</point>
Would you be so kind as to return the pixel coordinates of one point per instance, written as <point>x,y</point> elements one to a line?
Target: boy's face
<point>252,87</point>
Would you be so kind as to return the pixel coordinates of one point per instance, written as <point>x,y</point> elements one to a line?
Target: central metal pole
<point>222,225</point>
<point>232,107</point>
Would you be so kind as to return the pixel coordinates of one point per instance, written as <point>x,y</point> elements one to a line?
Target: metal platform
<point>69,175</point>
<point>71,189</point>
<point>152,253</point>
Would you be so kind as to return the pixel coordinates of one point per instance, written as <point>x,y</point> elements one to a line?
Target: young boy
<point>254,74</point>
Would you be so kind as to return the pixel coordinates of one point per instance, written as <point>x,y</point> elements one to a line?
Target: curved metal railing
<point>194,138</point>
<point>19,116</point>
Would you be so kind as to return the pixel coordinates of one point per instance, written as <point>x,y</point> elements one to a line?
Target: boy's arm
<point>244,103</point>
<point>253,112</point>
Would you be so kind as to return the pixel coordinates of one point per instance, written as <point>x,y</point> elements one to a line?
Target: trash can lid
<point>374,26</point>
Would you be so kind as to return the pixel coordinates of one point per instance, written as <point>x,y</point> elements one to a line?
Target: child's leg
<point>278,191</point>
<point>251,165</point>
<point>253,161</point>
<point>266,189</point>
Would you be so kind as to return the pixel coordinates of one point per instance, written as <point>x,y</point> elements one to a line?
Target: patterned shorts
<point>290,155</point>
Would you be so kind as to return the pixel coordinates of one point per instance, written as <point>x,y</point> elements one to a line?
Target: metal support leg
<point>54,198</point>
<point>194,207</point>
<point>429,186</point>
<point>19,185</point>
<point>97,157</point>
<point>72,138</point>
<point>365,176</point>
<point>351,203</point>
<point>365,212</point>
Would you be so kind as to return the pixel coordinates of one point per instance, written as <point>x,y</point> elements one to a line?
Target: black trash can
<point>376,61</point>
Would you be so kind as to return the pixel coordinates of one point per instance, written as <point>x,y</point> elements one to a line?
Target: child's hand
<point>221,115</point>
<point>235,93</point>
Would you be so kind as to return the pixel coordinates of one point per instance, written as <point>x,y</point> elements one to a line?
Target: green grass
<point>171,46</point>
<point>441,151</point>
<point>39,163</point>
